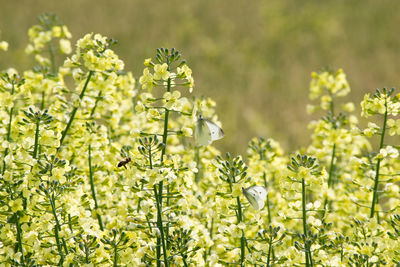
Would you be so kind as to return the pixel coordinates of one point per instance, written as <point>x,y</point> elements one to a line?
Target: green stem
<point>375,196</point>
<point>64,134</point>
<point>52,58</point>
<point>211,237</point>
<point>158,252</point>
<point>240,215</point>
<point>158,195</point>
<point>8,131</point>
<point>330,177</point>
<point>42,103</point>
<point>87,254</point>
<point>197,160</point>
<point>268,207</point>
<point>331,106</point>
<point>92,187</point>
<point>70,224</point>
<point>243,237</point>
<point>57,228</point>
<point>269,252</point>
<point>332,167</point>
<point>165,134</point>
<point>150,159</point>
<point>160,222</point>
<point>303,200</point>
<point>167,227</point>
<point>158,247</point>
<point>35,149</point>
<point>242,248</point>
<point>95,104</point>
<point>115,255</point>
<point>19,238</point>
<point>184,260</point>
<point>140,200</point>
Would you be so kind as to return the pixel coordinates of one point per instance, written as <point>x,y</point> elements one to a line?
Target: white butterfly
<point>256,195</point>
<point>207,132</point>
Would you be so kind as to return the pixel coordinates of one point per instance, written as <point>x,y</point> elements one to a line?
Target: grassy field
<point>253,57</point>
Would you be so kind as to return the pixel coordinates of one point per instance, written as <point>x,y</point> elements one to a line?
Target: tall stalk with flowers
<point>331,137</point>
<point>304,168</point>
<point>383,103</point>
<point>11,183</point>
<point>232,171</point>
<point>169,72</point>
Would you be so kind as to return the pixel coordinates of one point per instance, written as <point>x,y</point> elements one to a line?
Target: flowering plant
<point>98,169</point>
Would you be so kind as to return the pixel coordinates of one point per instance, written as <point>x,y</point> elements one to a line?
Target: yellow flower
<point>394,126</point>
<point>147,62</point>
<point>65,46</point>
<point>56,30</point>
<point>310,109</point>
<point>16,205</point>
<point>146,80</point>
<point>349,107</point>
<point>186,131</point>
<point>237,189</point>
<point>4,45</point>
<point>161,72</point>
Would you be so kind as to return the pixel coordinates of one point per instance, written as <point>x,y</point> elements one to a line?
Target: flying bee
<point>124,162</point>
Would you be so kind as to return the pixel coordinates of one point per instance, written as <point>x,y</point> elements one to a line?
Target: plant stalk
<point>268,206</point>
<point>375,196</point>
<point>19,238</point>
<point>52,58</point>
<point>160,222</point>
<point>158,195</point>
<point>35,149</point>
<point>8,131</point>
<point>64,134</point>
<point>243,237</point>
<point>197,160</point>
<point>303,201</point>
<point>330,177</point>
<point>115,255</point>
<point>95,104</point>
<point>332,167</point>
<point>269,252</point>
<point>92,187</point>
<point>57,228</point>
<point>165,133</point>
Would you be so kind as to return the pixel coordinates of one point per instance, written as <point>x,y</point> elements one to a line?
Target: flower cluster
<point>42,38</point>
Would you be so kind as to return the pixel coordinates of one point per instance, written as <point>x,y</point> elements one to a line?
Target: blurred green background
<point>254,58</point>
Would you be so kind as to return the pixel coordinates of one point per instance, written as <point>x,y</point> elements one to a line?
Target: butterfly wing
<point>256,195</point>
<point>202,133</point>
<point>215,130</point>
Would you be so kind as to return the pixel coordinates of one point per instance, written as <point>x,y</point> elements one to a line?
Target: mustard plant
<point>304,167</point>
<point>233,172</point>
<point>96,169</point>
<point>272,238</point>
<point>380,103</point>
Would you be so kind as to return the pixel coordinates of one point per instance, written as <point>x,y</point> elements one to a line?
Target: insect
<point>207,131</point>
<point>124,162</point>
<point>256,195</point>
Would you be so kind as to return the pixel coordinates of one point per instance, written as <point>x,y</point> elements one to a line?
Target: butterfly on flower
<point>256,195</point>
<point>207,131</point>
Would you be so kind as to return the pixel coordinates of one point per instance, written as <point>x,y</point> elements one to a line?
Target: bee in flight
<point>124,162</point>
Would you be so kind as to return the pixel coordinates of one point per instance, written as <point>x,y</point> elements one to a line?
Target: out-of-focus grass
<point>253,57</point>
